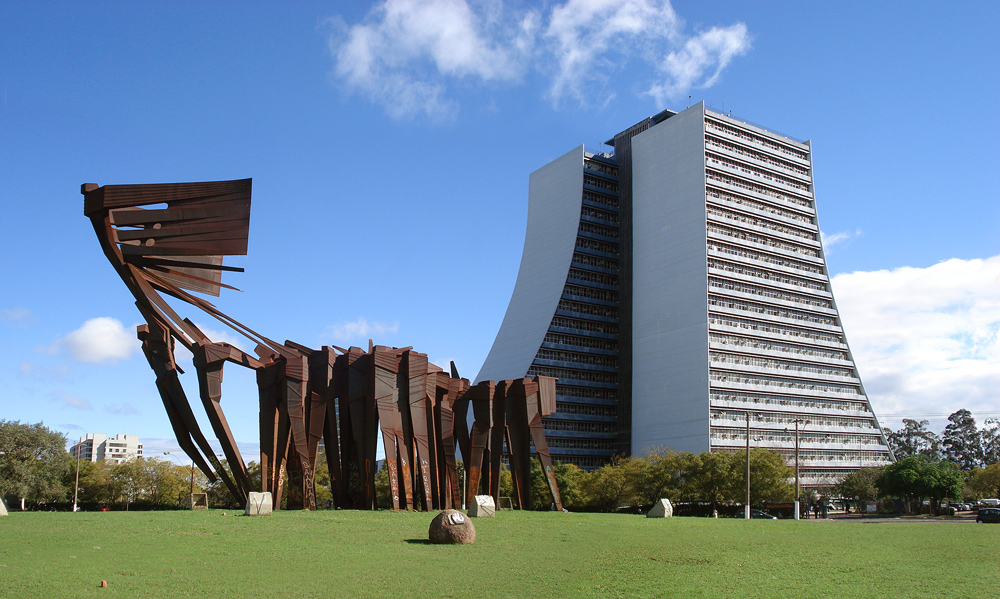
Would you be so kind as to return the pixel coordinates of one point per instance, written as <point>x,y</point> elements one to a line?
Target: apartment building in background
<point>95,447</point>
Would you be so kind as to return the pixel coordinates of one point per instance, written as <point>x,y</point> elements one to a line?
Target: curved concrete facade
<point>553,195</point>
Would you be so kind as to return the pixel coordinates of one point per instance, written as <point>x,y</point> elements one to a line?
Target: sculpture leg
<point>544,393</point>
<point>496,440</point>
<point>518,443</point>
<point>210,384</point>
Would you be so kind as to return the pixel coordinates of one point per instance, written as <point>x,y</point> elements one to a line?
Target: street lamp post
<point>746,506</point>
<point>797,488</point>
<point>76,487</point>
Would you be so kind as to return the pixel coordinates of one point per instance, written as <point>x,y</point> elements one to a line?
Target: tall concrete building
<point>95,447</point>
<point>676,286</point>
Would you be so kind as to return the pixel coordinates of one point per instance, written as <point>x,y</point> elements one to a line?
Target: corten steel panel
<point>457,388</point>
<point>349,457</point>
<point>295,397</point>
<point>267,387</point>
<point>481,398</point>
<point>157,345</point>
<point>384,385</point>
<point>414,371</point>
<point>444,421</point>
<point>497,434</point>
<point>209,369</point>
<point>542,392</point>
<point>361,407</point>
<point>519,442</point>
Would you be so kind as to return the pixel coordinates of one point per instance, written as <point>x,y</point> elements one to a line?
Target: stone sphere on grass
<point>451,527</point>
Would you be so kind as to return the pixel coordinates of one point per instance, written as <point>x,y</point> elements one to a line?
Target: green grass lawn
<point>517,554</point>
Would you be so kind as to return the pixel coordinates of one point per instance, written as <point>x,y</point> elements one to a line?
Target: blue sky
<point>390,145</point>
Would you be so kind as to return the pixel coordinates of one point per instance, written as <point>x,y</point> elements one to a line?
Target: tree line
<point>961,463</point>
<point>962,442</point>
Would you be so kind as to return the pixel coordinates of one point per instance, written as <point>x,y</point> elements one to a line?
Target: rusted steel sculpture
<point>170,240</point>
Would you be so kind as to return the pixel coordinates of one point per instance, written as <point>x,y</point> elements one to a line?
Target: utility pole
<point>798,489</point>
<point>76,488</point>
<point>746,506</point>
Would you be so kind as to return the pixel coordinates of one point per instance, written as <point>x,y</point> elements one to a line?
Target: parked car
<point>762,514</point>
<point>989,514</point>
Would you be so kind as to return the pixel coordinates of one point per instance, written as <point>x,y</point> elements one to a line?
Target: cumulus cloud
<point>18,317</point>
<point>359,329</point>
<point>101,340</point>
<point>70,401</point>
<point>405,50</point>
<point>926,340</point>
<point>406,54</point>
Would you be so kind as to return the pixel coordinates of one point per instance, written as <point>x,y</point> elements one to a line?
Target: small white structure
<point>3,508</point>
<point>258,504</point>
<point>483,507</point>
<point>661,509</point>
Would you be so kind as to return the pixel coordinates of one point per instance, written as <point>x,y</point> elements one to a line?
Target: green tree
<point>218,493</point>
<point>913,439</point>
<point>921,477</point>
<point>569,478</point>
<point>33,460</point>
<point>321,479</point>
<point>95,482</point>
<point>714,475</point>
<point>860,485</point>
<point>962,441</point>
<point>769,477</point>
<point>132,480</point>
<point>984,482</point>
<point>991,441</point>
<point>613,486</point>
<point>670,474</point>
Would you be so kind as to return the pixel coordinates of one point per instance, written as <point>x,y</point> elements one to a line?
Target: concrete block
<point>259,504</point>
<point>483,507</point>
<point>661,509</point>
<point>199,501</point>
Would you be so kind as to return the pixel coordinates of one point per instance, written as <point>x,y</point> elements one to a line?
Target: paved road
<point>960,517</point>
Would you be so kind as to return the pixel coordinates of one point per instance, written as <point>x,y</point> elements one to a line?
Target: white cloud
<point>688,67</point>
<point>926,340</point>
<point>359,330</point>
<point>70,401</point>
<point>587,33</point>
<point>406,53</point>
<point>404,50</point>
<point>18,317</point>
<point>830,240</point>
<point>44,373</point>
<point>100,340</point>
<point>125,409</point>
